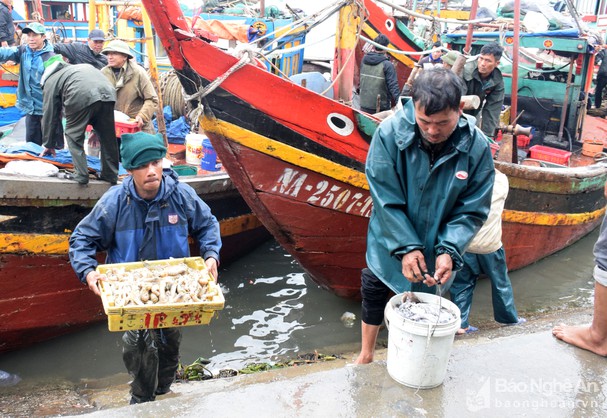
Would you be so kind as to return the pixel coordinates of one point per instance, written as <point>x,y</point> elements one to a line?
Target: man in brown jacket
<point>135,94</point>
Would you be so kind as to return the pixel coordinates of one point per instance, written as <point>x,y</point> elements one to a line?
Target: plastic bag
<point>30,168</point>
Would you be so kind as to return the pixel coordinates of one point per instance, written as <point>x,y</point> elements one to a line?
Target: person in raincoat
<point>147,217</point>
<point>486,255</point>
<point>430,175</point>
<point>31,58</point>
<point>86,97</point>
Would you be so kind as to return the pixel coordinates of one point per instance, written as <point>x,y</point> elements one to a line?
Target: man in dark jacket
<point>378,78</point>
<point>484,79</point>
<point>148,217</point>
<point>601,78</point>
<point>87,99</point>
<point>7,27</point>
<point>89,53</point>
<point>430,175</point>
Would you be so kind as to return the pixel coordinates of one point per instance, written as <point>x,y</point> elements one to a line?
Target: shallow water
<point>273,310</point>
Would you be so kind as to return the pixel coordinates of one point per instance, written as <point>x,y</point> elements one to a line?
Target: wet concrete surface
<point>503,371</point>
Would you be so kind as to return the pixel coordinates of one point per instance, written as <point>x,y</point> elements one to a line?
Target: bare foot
<point>364,358</point>
<point>582,337</point>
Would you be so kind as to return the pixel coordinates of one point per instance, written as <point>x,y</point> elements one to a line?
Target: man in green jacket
<point>430,175</point>
<point>87,99</point>
<point>484,79</point>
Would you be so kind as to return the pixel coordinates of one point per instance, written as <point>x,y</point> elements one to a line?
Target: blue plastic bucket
<point>208,161</point>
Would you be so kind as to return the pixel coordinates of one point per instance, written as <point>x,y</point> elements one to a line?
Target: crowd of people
<point>430,157</point>
<point>83,83</point>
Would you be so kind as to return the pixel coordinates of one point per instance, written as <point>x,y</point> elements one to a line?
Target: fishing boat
<point>298,160</point>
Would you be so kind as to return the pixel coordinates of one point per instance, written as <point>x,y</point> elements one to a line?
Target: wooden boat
<point>298,160</point>
<point>40,296</point>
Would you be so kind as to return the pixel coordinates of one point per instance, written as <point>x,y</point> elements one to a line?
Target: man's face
<point>116,59</point>
<point>147,179</point>
<point>486,64</point>
<point>96,46</point>
<point>438,127</point>
<point>35,41</point>
<point>436,53</point>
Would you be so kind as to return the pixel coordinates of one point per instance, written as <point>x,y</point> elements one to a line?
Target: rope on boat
<point>247,57</point>
<point>172,93</point>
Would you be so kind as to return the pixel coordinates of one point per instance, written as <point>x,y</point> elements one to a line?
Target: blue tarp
<point>62,156</point>
<point>176,129</point>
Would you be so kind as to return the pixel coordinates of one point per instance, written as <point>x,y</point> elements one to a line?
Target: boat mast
<point>348,26</point>
<point>468,45</point>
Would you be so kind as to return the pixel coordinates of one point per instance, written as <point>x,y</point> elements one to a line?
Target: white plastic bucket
<point>413,359</point>
<point>193,148</point>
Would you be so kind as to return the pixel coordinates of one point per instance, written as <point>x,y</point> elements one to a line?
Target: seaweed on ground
<point>198,371</point>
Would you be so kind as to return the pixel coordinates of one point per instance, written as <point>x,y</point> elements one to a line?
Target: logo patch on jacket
<point>462,175</point>
<point>173,218</point>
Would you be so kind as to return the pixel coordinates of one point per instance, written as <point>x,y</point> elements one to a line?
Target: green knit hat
<point>141,148</point>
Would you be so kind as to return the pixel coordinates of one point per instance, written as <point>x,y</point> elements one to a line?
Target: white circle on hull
<point>340,124</point>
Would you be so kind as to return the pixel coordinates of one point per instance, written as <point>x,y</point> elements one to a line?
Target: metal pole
<point>514,92</point>
<point>471,27</point>
<point>566,99</point>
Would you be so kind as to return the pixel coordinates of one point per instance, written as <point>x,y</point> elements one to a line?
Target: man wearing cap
<point>87,98</point>
<point>89,53</point>
<point>378,78</point>
<point>135,94</point>
<point>31,58</point>
<point>147,217</point>
<point>450,58</point>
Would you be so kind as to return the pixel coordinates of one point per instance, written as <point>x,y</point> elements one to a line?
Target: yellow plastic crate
<point>159,315</point>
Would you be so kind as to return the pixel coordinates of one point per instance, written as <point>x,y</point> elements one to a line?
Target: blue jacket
<point>417,206</point>
<point>29,92</point>
<point>130,228</point>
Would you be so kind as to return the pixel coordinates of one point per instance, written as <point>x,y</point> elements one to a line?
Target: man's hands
<point>47,151</point>
<point>414,267</point>
<point>415,270</point>
<point>91,280</point>
<point>139,121</point>
<point>211,264</point>
<point>444,269</point>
